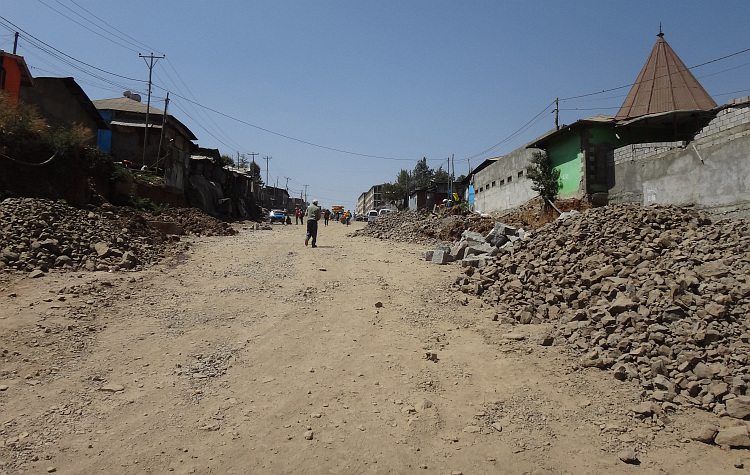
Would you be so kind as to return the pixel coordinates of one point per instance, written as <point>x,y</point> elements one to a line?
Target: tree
<point>399,190</point>
<point>545,178</point>
<point>254,170</point>
<point>422,175</point>
<point>441,176</point>
<point>227,161</point>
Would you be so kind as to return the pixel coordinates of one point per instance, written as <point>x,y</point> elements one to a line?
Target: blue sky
<point>342,94</point>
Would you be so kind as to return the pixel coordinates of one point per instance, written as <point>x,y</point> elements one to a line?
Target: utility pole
<point>453,172</point>
<point>287,184</point>
<point>15,43</point>
<point>267,159</point>
<point>557,112</point>
<point>306,193</point>
<point>150,65</point>
<point>163,128</point>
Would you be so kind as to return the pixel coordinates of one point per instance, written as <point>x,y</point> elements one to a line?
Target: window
<point>510,178</point>
<point>493,184</point>
<point>502,182</point>
<point>520,174</point>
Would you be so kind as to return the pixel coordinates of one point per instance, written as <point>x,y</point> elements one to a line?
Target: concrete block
<point>427,255</point>
<point>440,256</point>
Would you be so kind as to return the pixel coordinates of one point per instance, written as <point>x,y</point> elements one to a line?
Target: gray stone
<point>736,436</point>
<point>628,455</point>
<point>706,434</point>
<point>440,256</point>
<point>102,249</point>
<point>738,407</point>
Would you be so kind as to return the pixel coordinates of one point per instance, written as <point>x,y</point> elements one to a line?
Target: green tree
<point>254,170</point>
<point>422,174</point>
<point>399,190</point>
<point>227,160</point>
<point>441,176</point>
<point>545,178</point>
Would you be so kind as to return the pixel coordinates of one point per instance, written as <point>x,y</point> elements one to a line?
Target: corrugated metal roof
<point>126,105</point>
<point>664,85</point>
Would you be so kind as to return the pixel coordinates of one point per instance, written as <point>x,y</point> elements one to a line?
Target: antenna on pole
<point>150,65</point>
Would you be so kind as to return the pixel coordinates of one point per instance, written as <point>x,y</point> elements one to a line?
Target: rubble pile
<point>656,294</point>
<point>420,228</point>
<point>37,235</point>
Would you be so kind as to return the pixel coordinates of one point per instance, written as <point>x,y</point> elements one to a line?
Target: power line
<point>64,54</point>
<point>84,26</point>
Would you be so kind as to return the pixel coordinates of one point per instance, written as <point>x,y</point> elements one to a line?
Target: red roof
<point>665,84</point>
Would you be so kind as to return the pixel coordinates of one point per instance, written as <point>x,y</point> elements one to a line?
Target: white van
<point>371,215</point>
<point>384,211</point>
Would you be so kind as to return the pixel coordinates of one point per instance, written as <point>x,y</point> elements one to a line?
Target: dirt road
<point>255,354</point>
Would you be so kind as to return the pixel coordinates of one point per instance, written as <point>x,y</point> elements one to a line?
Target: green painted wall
<point>566,157</point>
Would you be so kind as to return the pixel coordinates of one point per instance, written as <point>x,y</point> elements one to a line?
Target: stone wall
<point>712,171</point>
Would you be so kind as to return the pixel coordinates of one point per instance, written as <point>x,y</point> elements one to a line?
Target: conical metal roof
<point>664,85</point>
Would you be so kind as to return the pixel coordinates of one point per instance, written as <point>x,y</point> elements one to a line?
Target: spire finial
<point>660,33</point>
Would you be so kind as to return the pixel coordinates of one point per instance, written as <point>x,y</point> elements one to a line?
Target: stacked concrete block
<point>475,249</point>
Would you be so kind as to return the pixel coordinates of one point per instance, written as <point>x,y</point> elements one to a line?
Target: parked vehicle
<point>384,211</point>
<point>372,215</point>
<point>277,216</point>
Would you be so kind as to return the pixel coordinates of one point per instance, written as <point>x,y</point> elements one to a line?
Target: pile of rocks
<point>476,250</point>
<point>421,228</point>
<point>656,294</point>
<point>37,235</point>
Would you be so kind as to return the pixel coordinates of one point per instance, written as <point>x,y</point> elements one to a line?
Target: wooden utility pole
<point>267,159</point>
<point>15,43</point>
<point>150,65</point>
<point>557,112</point>
<point>163,128</point>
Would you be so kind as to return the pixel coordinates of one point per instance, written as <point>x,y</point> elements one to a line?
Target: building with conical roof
<point>669,144</point>
<point>665,84</point>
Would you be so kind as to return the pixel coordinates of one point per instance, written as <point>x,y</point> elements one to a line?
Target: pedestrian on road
<point>297,216</point>
<point>348,217</point>
<point>326,216</point>
<point>313,215</point>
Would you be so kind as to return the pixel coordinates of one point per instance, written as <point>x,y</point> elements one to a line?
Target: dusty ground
<point>255,354</point>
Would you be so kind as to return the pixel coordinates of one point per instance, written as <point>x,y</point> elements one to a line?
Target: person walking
<point>313,215</point>
<point>326,216</point>
<point>348,217</point>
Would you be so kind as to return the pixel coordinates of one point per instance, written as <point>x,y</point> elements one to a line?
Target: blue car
<point>277,216</point>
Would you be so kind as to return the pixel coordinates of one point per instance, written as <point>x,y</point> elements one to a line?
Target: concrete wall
<point>503,185</point>
<point>713,171</point>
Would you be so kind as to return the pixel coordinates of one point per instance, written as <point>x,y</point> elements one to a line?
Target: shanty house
<point>62,103</point>
<point>13,73</point>
<point>167,144</point>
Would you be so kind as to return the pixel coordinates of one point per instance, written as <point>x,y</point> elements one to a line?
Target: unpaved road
<point>256,354</point>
